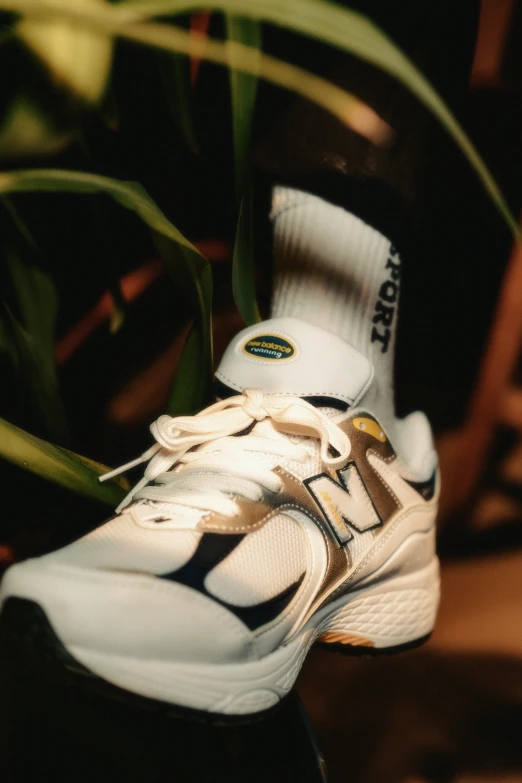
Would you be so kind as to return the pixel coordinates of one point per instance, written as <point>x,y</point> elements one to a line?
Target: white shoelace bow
<point>221,465</point>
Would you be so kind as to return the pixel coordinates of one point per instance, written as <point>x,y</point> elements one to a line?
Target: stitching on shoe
<point>385,485</point>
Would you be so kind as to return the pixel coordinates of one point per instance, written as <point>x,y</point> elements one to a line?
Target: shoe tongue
<point>287,356</point>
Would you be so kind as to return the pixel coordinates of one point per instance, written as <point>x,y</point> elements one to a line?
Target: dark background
<point>449,713</point>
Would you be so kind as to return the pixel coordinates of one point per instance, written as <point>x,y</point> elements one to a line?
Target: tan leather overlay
<point>364,441</point>
<point>296,495</point>
<point>366,437</point>
<point>252,516</point>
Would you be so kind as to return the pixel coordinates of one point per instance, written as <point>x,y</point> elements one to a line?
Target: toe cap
<point>129,614</point>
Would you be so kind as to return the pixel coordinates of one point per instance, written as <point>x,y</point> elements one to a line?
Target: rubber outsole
<point>31,643</point>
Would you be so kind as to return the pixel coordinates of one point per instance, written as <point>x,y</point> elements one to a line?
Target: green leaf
<point>185,263</point>
<point>243,282</point>
<point>40,381</point>
<point>58,465</point>
<point>191,387</point>
<point>120,20</point>
<point>243,88</point>
<point>175,76</point>
<point>26,129</point>
<point>118,309</point>
<point>33,336</point>
<point>130,195</point>
<point>318,19</point>
<point>38,304</point>
<point>76,57</point>
<point>18,222</point>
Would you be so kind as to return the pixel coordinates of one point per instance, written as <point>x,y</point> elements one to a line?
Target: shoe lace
<point>212,464</point>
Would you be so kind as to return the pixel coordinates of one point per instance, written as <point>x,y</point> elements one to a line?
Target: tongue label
<point>269,347</point>
<point>288,356</point>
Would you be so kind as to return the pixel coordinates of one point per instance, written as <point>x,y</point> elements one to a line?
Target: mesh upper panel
<point>263,565</point>
<point>121,544</point>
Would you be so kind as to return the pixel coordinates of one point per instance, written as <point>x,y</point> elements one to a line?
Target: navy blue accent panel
<point>260,614</point>
<point>327,402</point>
<point>212,549</point>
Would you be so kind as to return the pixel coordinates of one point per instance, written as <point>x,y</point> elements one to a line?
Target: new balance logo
<point>345,503</point>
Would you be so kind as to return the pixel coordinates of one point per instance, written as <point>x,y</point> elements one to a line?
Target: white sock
<point>334,271</point>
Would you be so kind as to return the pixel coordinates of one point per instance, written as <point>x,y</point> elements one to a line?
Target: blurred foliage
<point>66,91</point>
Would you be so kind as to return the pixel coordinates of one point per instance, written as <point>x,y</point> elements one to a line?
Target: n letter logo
<point>345,503</point>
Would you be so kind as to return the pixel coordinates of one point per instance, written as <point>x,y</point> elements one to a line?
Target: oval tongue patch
<point>269,346</point>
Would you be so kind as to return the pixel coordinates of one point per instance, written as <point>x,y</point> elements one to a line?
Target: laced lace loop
<point>176,436</point>
<point>253,404</point>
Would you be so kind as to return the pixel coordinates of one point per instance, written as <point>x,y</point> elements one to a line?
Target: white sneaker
<point>272,520</point>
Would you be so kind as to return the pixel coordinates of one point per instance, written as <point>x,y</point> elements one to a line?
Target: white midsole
<point>389,614</point>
